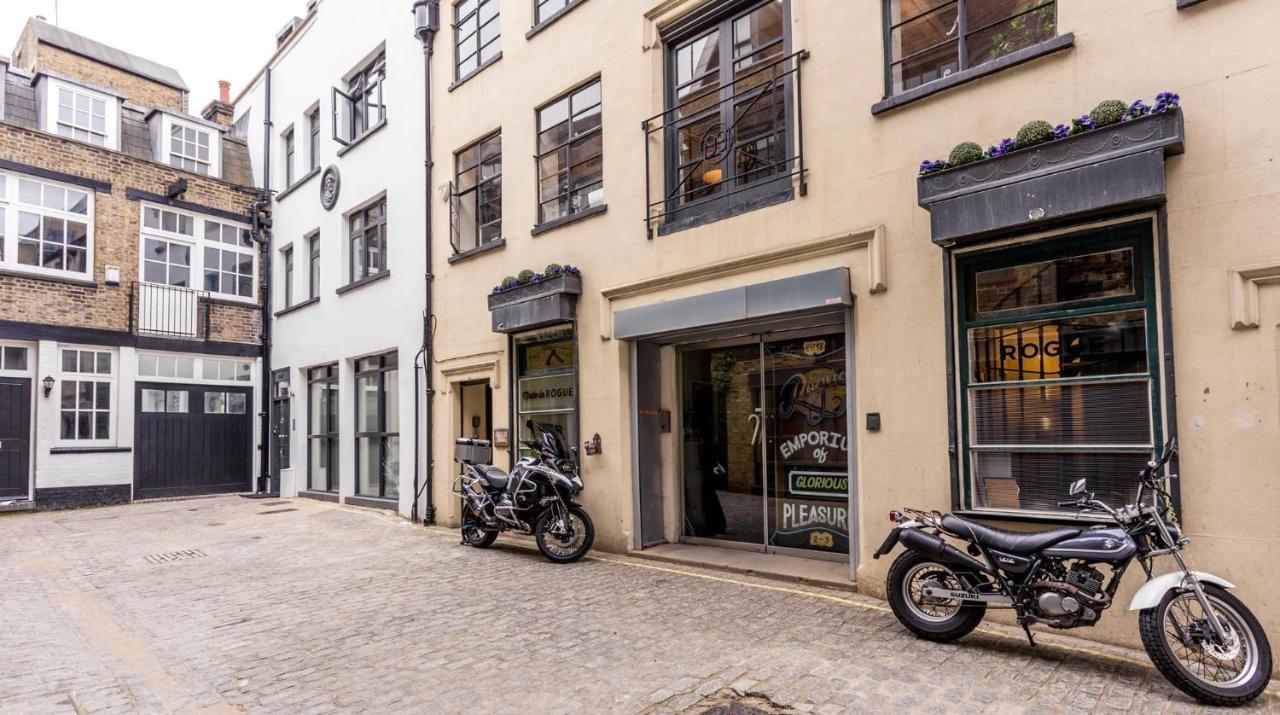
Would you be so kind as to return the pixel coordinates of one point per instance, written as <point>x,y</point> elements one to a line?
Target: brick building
<point>130,329</point>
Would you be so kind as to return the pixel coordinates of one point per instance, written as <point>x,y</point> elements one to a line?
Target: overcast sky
<point>205,40</point>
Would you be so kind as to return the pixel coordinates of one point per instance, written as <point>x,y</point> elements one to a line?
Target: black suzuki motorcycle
<point>536,498</point>
<point>1199,636</point>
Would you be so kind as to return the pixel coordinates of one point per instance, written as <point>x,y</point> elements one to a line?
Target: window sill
<point>1026,54</point>
<point>539,27</point>
<point>232,302</point>
<point>373,502</point>
<point>297,306</point>
<point>298,184</point>
<point>566,220</point>
<point>89,450</point>
<point>483,248</point>
<point>358,140</point>
<point>712,214</point>
<point>462,80</point>
<point>1184,4</point>
<point>42,276</point>
<point>371,278</point>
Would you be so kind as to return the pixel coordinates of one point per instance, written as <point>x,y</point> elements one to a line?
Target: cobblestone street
<point>303,606</point>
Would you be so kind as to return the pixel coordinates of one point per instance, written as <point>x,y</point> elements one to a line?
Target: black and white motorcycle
<point>1200,636</point>
<point>536,498</point>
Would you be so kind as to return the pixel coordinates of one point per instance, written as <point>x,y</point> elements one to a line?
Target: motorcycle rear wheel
<point>569,547</point>
<point>473,532</point>
<point>1229,674</point>
<point>934,620</point>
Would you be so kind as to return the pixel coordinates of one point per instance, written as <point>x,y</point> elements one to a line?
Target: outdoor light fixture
<point>713,176</point>
<point>426,19</point>
<point>176,189</point>
<point>48,384</point>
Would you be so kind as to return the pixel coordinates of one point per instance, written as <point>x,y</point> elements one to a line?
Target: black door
<point>15,437</point>
<point>192,439</point>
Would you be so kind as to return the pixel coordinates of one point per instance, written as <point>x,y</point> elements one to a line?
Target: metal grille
<point>1039,480</point>
<point>175,556</point>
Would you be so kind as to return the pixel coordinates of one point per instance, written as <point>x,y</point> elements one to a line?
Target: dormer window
<point>186,142</point>
<point>78,112</point>
<point>189,148</point>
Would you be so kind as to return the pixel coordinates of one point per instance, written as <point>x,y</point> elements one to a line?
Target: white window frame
<point>162,125</point>
<point>198,366</point>
<point>112,403</point>
<point>223,365</point>
<point>199,243</point>
<point>32,356</point>
<point>11,205</point>
<point>50,87</point>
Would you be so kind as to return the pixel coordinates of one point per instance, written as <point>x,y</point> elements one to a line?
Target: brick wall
<point>138,90</point>
<point>115,236</point>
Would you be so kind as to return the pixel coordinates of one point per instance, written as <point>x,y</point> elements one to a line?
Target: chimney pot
<point>224,91</point>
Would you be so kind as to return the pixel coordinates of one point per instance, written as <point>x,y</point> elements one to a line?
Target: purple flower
<point>1061,131</point>
<point>929,167</point>
<point>1166,101</point>
<point>1005,146</point>
<point>1139,108</point>
<point>1082,124</point>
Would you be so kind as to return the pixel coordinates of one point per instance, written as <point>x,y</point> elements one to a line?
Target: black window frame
<point>326,376</point>
<point>313,266</point>
<point>567,144</point>
<point>386,363</point>
<point>377,230</point>
<point>474,192</point>
<point>362,84</point>
<point>313,133</point>
<point>288,157</point>
<point>540,20</point>
<point>963,32</point>
<point>288,276</point>
<point>281,400</point>
<point>458,38</point>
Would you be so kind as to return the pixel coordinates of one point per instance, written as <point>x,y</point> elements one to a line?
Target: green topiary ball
<point>508,282</point>
<point>1036,131</point>
<point>524,276</point>
<point>1108,112</point>
<point>965,153</point>
<point>552,269</point>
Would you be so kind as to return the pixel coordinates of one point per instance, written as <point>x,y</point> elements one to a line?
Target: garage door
<point>192,439</point>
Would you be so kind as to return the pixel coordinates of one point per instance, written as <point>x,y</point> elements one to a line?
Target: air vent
<point>175,556</point>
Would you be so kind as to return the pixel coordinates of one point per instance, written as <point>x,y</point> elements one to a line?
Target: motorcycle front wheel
<point>568,542</point>
<point>473,532</point>
<point>1179,638</point>
<point>934,619</point>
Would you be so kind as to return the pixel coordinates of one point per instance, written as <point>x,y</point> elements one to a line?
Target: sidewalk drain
<point>728,702</point>
<point>276,511</point>
<point>175,556</point>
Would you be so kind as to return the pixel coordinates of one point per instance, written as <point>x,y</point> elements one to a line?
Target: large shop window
<point>1059,368</point>
<point>378,426</point>
<point>546,389</point>
<point>931,39</point>
<point>323,429</point>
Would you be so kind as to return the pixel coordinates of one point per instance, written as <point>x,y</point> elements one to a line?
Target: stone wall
<point>138,90</point>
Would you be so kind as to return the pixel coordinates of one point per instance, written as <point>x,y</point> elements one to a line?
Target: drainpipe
<point>262,234</point>
<point>426,16</point>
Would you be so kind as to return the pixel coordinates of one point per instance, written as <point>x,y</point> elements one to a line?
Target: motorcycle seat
<point>1011,542</point>
<point>493,476</point>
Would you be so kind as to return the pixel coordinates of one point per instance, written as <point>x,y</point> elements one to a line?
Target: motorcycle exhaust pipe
<point>934,546</point>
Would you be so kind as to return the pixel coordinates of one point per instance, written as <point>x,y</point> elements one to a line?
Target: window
<point>476,31</point>
<point>160,365</point>
<point>477,207</point>
<point>189,148</point>
<point>313,272</point>
<point>360,108</point>
<point>545,382</point>
<point>288,277</point>
<point>323,429</point>
<point>82,115</point>
<point>378,427</point>
<point>13,358</point>
<point>368,241</point>
<point>1059,368</point>
<point>228,259</point>
<point>313,130</point>
<point>86,398</point>
<point>166,263</point>
<point>281,421</point>
<point>176,401</point>
<point>930,39</point>
<point>225,403</point>
<point>171,254</point>
<point>288,158</point>
<point>226,370</point>
<point>570,154</point>
<point>168,221</point>
<point>544,10</point>
<point>729,105</point>
<point>53,226</point>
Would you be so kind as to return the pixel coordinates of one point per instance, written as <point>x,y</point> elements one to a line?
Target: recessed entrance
<point>765,452</point>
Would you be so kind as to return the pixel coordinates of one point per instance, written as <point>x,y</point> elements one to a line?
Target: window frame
<point>313,137</point>
<point>386,363</point>
<point>287,137</point>
<point>962,34</point>
<point>458,74</point>
<point>539,155</point>
<point>362,83</point>
<point>475,191</point>
<point>363,212</point>
<point>540,21</point>
<point>50,101</point>
<point>178,159</point>
<point>77,376</point>
<point>199,244</point>
<point>328,377</point>
<point>288,275</point>
<point>313,265</point>
<point>12,206</point>
<point>1137,235</point>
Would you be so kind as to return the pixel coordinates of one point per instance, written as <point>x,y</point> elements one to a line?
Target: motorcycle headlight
<point>1174,531</point>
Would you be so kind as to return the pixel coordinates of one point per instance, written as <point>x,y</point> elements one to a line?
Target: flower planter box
<point>1114,167</point>
<point>536,305</point>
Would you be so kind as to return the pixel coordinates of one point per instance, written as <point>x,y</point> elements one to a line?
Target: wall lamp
<point>48,385</point>
<point>426,19</point>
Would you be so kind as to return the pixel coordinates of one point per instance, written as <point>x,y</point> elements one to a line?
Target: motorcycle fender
<point>1151,593</point>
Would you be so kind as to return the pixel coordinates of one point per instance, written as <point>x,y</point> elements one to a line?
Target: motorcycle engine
<point>1070,597</point>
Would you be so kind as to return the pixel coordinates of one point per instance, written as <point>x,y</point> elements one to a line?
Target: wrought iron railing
<point>711,152</point>
<point>168,311</point>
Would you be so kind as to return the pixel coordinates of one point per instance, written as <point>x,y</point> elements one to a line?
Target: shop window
<point>546,384</point>
<point>928,40</point>
<point>477,198</point>
<point>1059,369</point>
<point>378,426</point>
<point>323,429</point>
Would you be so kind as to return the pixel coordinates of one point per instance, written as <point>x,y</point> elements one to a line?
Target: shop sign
<point>802,482</point>
<point>818,444</point>
<point>548,356</point>
<point>812,526</point>
<point>815,395</point>
<point>548,393</point>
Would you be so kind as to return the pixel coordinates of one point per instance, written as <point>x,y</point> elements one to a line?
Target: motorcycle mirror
<point>1077,487</point>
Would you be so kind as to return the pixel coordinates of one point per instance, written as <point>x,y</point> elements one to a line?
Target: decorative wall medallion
<point>330,184</point>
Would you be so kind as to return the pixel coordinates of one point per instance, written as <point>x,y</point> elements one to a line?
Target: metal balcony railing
<point>168,311</point>
<point>724,147</point>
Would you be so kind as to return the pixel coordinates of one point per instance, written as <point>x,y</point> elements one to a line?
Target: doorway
<point>475,416</point>
<point>765,453</point>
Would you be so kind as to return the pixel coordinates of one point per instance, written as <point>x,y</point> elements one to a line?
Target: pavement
<point>299,606</point>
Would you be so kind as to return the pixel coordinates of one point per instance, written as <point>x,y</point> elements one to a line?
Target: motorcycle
<point>1199,636</point>
<point>535,498</point>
